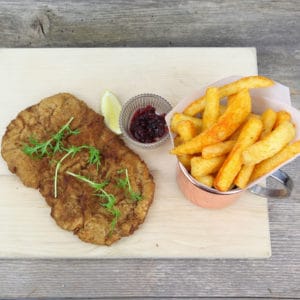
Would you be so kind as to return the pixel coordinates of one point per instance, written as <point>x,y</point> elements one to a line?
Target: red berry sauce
<point>146,126</point>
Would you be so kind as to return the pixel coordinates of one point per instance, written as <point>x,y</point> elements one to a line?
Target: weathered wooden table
<point>272,27</point>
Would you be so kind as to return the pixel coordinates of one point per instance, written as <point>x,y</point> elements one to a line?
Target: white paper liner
<point>276,97</point>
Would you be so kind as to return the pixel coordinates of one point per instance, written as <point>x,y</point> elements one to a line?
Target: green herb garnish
<point>95,185</point>
<point>124,183</point>
<point>58,137</point>
<point>110,206</point>
<point>51,146</point>
<point>110,198</point>
<point>38,149</point>
<point>55,144</point>
<point>94,158</point>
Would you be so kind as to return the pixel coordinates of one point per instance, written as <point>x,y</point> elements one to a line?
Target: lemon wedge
<point>111,109</point>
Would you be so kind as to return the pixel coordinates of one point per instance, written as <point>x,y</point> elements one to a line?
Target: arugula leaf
<point>55,144</point>
<point>51,146</point>
<point>95,185</point>
<point>124,183</point>
<point>37,148</point>
<point>110,198</point>
<point>94,159</point>
<point>94,156</point>
<point>135,196</point>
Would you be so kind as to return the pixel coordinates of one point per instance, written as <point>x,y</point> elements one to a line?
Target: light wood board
<point>174,227</point>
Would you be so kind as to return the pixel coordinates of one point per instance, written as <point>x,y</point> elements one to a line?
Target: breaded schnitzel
<point>78,207</point>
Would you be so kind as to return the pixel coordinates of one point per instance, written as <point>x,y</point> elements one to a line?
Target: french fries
<point>218,149</point>
<point>207,180</point>
<point>244,175</point>
<point>186,130</point>
<point>178,117</point>
<point>225,145</point>
<point>269,145</point>
<point>211,111</point>
<point>202,167</point>
<point>230,89</point>
<point>269,164</point>
<point>251,82</point>
<point>222,109</point>
<point>232,118</point>
<point>268,118</point>
<point>195,107</point>
<point>185,159</point>
<point>178,140</point>
<point>233,163</point>
<point>281,117</point>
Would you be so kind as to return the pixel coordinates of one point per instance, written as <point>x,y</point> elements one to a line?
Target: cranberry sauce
<point>146,126</point>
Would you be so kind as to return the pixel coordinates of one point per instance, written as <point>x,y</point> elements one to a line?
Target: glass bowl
<point>161,105</point>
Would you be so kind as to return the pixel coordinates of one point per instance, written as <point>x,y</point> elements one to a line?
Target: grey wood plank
<point>273,27</point>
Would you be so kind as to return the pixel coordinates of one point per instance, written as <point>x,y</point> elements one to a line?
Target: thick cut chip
<point>244,175</point>
<point>282,116</point>
<point>195,107</point>
<point>186,130</point>
<point>178,117</point>
<point>268,118</point>
<point>212,108</point>
<point>250,82</point>
<point>232,118</point>
<point>233,163</point>
<point>177,140</point>
<point>222,109</point>
<point>273,162</point>
<point>270,145</point>
<point>207,180</point>
<point>202,167</point>
<point>218,149</point>
<point>185,159</point>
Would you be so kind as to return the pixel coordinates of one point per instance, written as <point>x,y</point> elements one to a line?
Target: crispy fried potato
<point>178,117</point>
<point>233,117</point>
<point>238,145</point>
<point>251,82</point>
<point>252,115</point>
<point>268,118</point>
<point>233,163</point>
<point>185,159</point>
<point>236,134</point>
<point>186,130</point>
<point>222,109</point>
<point>177,140</point>
<point>271,163</point>
<point>230,98</point>
<point>207,180</point>
<point>195,107</point>
<point>202,167</point>
<point>212,108</point>
<point>218,149</point>
<point>270,145</point>
<point>230,89</point>
<point>281,117</point>
<point>244,175</point>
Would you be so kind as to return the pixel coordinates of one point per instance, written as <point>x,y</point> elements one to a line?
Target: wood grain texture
<point>273,28</point>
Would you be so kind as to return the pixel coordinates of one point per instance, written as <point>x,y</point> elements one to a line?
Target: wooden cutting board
<point>174,227</point>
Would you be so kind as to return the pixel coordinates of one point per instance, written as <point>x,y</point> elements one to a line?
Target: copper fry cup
<point>207,197</point>
<point>276,97</point>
